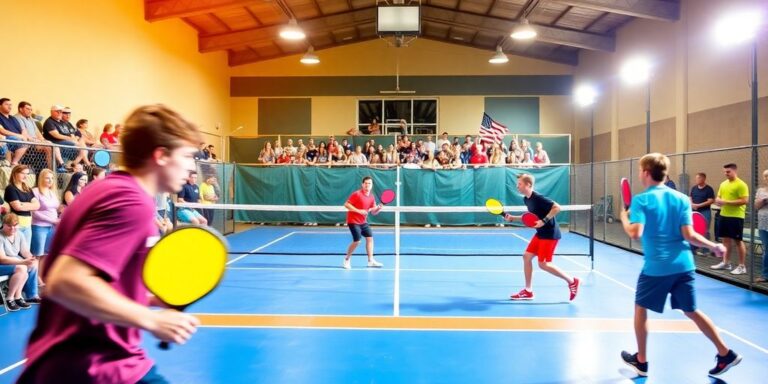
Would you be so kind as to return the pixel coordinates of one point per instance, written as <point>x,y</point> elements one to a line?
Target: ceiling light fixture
<point>524,31</point>
<point>499,57</point>
<point>292,31</point>
<point>310,57</point>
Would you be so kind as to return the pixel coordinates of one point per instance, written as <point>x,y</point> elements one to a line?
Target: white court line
<point>12,366</point>
<point>387,269</point>
<point>422,233</point>
<point>727,332</point>
<point>260,248</point>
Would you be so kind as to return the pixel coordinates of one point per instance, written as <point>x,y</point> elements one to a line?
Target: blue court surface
<point>300,318</point>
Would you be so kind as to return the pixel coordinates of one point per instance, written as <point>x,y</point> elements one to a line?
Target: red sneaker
<point>574,288</point>
<point>522,295</point>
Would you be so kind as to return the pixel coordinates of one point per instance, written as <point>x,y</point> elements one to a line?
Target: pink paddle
<point>626,192</point>
<point>387,196</point>
<point>699,223</point>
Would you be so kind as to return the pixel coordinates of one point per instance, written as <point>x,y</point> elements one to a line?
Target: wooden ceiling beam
<point>242,58</point>
<point>645,9</point>
<point>546,34</point>
<point>236,39</point>
<point>170,9</point>
<point>555,57</point>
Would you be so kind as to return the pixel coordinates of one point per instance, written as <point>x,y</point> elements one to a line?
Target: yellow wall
<point>691,72</point>
<point>103,59</point>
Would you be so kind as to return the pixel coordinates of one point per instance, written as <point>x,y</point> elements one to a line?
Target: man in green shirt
<point>732,197</point>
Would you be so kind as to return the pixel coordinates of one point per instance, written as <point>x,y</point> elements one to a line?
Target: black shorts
<point>652,292</point>
<point>359,230</point>
<point>730,227</point>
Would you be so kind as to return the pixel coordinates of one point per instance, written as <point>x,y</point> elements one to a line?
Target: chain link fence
<point>751,161</point>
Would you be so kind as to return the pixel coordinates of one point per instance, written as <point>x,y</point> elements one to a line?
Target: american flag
<point>491,131</point>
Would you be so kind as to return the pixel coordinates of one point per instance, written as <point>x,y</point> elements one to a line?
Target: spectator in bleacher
<point>82,154</point>
<point>21,199</point>
<point>332,144</point>
<point>24,117</point>
<point>430,162</point>
<point>118,127</point>
<point>108,137</point>
<point>370,153</point>
<point>405,143</point>
<point>76,184</point>
<point>390,155</point>
<point>267,154</point>
<point>278,147</point>
<point>45,219</point>
<point>346,146</point>
<point>541,156</point>
<point>430,145</point>
<point>17,262</point>
<point>300,145</point>
<point>290,148</point>
<point>208,195</point>
<point>702,196</point>
<point>761,204</point>
<point>211,154</point>
<point>357,158</point>
<point>732,197</point>
<point>283,157</point>
<point>443,140</point>
<point>55,131</point>
<point>669,183</point>
<point>162,220</point>
<point>354,131</point>
<point>301,156</point>
<point>466,153</point>
<point>12,130</point>
<point>444,159</point>
<point>374,128</point>
<point>98,174</point>
<point>514,148</point>
<point>311,152</point>
<point>497,155</point>
<point>478,146</point>
<point>322,157</point>
<point>190,193</point>
<point>403,126</point>
<point>336,154</point>
<point>202,154</point>
<point>87,137</point>
<point>526,158</point>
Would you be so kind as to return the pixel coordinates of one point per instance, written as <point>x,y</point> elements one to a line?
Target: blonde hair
<point>656,164</point>
<point>10,219</point>
<point>153,126</point>
<point>42,175</point>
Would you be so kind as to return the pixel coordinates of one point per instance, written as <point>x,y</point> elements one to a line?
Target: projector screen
<point>398,20</point>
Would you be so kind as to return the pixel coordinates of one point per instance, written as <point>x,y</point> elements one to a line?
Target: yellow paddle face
<point>185,265</point>
<point>494,206</point>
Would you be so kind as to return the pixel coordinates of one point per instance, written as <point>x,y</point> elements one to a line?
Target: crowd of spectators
<point>440,154</point>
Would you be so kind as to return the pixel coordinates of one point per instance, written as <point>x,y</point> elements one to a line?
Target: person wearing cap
<point>11,129</point>
<point>28,123</point>
<point>57,131</point>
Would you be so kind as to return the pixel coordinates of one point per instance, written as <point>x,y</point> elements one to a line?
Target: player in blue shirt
<point>662,218</point>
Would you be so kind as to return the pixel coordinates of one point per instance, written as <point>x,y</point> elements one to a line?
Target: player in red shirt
<point>359,204</point>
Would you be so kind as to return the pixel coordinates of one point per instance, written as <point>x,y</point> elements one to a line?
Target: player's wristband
<point>545,220</point>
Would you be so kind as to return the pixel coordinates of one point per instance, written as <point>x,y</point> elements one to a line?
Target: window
<point>420,115</point>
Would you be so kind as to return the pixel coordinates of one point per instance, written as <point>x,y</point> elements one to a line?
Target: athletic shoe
<point>347,264</point>
<point>12,306</point>
<point>524,294</point>
<point>722,265</point>
<point>34,300</point>
<point>631,360</point>
<point>724,363</point>
<point>739,270</point>
<point>574,288</point>
<point>22,304</point>
<point>437,225</point>
<point>427,225</point>
<point>372,263</point>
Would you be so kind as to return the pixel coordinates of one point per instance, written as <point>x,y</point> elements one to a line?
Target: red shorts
<point>543,248</point>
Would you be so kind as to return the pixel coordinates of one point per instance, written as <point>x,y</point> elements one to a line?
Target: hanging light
<point>499,57</point>
<point>310,57</point>
<point>524,31</point>
<point>292,31</point>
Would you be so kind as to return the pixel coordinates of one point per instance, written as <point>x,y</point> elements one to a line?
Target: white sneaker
<point>437,225</point>
<point>427,225</point>
<point>739,270</point>
<point>722,265</point>
<point>374,264</point>
<point>347,264</point>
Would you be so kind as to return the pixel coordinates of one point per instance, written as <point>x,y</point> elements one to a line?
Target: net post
<point>396,300</point>
<point>592,236</point>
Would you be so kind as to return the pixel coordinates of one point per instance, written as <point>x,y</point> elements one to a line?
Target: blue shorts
<point>359,230</point>
<point>153,377</point>
<point>13,146</point>
<point>652,292</point>
<point>7,269</point>
<point>185,215</point>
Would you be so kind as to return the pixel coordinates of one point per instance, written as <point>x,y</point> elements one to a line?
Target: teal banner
<point>288,185</point>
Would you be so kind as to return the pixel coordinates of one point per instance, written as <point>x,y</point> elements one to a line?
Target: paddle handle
<point>164,345</point>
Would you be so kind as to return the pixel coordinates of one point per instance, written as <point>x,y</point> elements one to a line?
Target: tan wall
<point>696,82</point>
<point>632,139</point>
<point>456,114</point>
<point>423,57</point>
<point>102,59</point>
